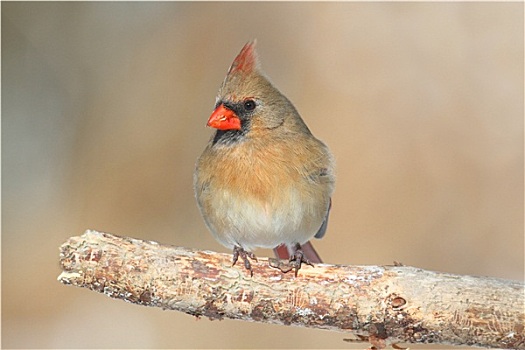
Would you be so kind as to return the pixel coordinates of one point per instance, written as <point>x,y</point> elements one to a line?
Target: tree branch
<point>394,304</point>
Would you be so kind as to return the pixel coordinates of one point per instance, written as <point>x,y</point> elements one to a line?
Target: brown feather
<point>271,184</point>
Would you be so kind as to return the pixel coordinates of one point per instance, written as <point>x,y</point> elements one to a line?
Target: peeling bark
<point>397,304</point>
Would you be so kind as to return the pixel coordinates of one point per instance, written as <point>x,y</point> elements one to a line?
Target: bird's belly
<point>250,222</point>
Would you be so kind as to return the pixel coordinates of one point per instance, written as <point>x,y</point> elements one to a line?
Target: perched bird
<point>263,180</point>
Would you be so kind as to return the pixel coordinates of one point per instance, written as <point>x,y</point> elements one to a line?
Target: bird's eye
<point>249,105</point>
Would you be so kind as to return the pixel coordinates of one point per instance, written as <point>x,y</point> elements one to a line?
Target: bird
<point>263,180</point>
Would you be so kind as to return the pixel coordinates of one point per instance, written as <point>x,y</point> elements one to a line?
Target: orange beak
<point>223,118</point>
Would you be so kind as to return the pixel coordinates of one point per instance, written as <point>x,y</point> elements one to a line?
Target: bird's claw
<point>245,256</point>
<point>282,265</point>
<point>298,258</point>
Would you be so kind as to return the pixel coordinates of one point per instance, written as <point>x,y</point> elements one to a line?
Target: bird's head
<point>247,101</point>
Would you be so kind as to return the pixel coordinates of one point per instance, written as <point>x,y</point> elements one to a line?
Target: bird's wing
<point>324,225</point>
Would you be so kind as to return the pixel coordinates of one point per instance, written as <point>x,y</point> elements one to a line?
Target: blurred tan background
<point>104,108</point>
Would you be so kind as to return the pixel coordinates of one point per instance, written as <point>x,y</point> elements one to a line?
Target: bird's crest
<point>246,61</point>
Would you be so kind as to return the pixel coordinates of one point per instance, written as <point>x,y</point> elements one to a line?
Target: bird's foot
<point>298,258</point>
<point>245,256</point>
<point>283,265</point>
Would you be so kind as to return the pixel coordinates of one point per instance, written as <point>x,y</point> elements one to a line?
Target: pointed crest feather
<point>246,61</point>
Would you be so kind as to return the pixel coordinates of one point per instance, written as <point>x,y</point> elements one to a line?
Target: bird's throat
<point>228,137</point>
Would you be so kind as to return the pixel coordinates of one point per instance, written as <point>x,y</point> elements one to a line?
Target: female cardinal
<point>263,180</point>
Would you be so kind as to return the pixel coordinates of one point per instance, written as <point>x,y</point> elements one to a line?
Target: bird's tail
<point>284,252</point>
